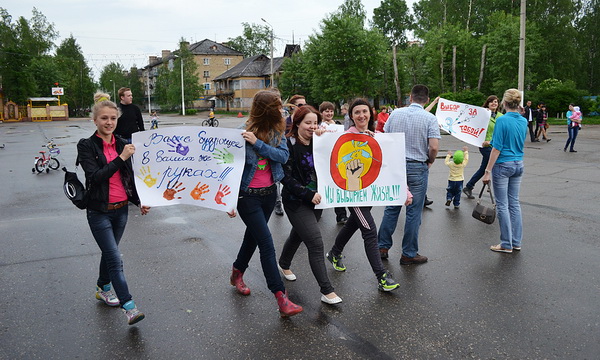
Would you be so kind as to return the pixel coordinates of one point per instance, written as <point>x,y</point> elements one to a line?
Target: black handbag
<point>74,189</point>
<point>486,214</point>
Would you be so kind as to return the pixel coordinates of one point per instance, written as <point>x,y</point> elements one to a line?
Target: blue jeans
<point>255,211</point>
<point>573,131</point>
<point>485,153</point>
<point>453,191</point>
<point>506,179</point>
<point>416,175</point>
<point>108,229</point>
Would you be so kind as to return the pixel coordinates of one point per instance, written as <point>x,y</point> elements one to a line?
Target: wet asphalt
<point>466,302</point>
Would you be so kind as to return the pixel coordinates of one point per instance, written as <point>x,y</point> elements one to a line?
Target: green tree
<point>294,79</point>
<point>255,40</point>
<point>588,46</point>
<point>345,60</point>
<point>75,77</point>
<point>113,73</point>
<point>394,20</point>
<point>47,72</point>
<point>168,84</point>
<point>503,54</point>
<point>22,42</point>
<point>136,85</point>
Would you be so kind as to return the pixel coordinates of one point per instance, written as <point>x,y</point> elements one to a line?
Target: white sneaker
<point>107,295</point>
<point>132,313</point>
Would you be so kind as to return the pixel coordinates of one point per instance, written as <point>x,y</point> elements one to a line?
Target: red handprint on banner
<point>223,191</point>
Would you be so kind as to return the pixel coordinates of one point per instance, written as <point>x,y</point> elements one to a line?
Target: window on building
<point>206,86</point>
<point>227,61</point>
<point>206,61</point>
<point>206,74</point>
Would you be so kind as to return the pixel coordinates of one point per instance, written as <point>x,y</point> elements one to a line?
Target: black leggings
<point>361,218</point>
<point>305,229</point>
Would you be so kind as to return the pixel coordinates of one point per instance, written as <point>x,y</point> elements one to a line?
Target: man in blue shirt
<point>422,135</point>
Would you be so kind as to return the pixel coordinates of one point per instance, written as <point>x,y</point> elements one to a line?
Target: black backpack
<point>74,189</point>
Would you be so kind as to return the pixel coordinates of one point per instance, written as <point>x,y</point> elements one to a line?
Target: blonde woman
<point>106,160</point>
<point>505,168</point>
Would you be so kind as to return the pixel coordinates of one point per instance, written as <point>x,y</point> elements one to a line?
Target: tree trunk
<point>396,80</point>
<point>442,68</point>
<point>454,68</point>
<point>482,67</point>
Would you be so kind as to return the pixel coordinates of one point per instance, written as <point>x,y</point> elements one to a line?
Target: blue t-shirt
<point>509,137</point>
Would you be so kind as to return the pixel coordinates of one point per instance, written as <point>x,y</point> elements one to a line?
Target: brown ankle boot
<point>286,307</point>
<point>237,281</point>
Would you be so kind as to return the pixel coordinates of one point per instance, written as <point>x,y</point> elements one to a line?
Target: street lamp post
<point>271,49</point>
<point>182,92</point>
<point>114,93</point>
<point>148,90</point>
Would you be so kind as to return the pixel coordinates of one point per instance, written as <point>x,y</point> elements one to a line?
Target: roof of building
<point>291,49</point>
<point>209,47</point>
<point>255,66</point>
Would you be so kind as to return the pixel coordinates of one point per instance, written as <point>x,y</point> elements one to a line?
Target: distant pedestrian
<point>506,169</point>
<point>106,161</point>
<point>299,199</point>
<point>347,121</point>
<point>542,124</point>
<point>327,110</point>
<point>422,136</point>
<point>266,152</point>
<point>574,119</point>
<point>530,114</point>
<point>457,163</point>
<point>485,150</point>
<point>154,122</point>
<point>382,117</point>
<point>131,119</point>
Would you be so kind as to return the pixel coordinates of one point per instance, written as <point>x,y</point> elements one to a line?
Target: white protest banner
<point>333,127</point>
<point>463,121</point>
<point>360,170</point>
<point>191,165</point>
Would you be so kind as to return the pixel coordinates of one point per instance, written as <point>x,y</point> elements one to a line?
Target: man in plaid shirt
<point>422,135</point>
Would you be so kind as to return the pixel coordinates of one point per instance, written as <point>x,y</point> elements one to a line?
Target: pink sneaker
<point>107,295</point>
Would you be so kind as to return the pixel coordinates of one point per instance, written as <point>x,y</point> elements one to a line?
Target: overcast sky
<point>129,31</point>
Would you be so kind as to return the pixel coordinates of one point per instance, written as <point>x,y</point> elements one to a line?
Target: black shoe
<point>341,220</point>
<point>548,140</point>
<point>565,149</point>
<point>427,202</point>
<point>572,150</point>
<point>448,202</point>
<point>383,253</point>
<point>536,140</point>
<point>278,208</point>
<point>468,192</point>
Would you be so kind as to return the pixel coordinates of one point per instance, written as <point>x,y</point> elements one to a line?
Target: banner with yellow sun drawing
<point>360,170</point>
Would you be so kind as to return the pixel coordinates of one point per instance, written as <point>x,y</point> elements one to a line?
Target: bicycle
<point>47,162</point>
<point>212,122</point>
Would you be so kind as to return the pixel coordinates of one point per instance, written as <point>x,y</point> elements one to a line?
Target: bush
<point>557,95</point>
<point>191,111</point>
